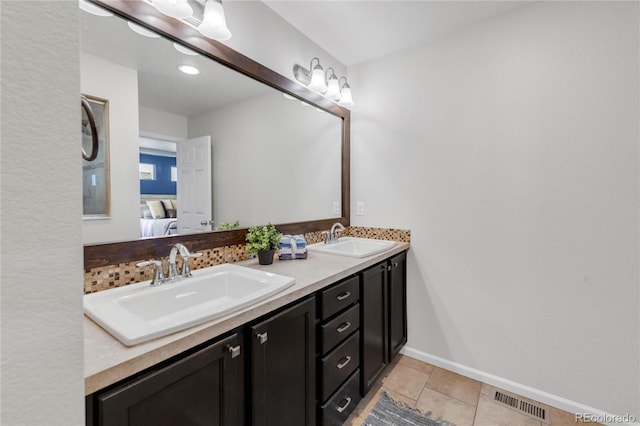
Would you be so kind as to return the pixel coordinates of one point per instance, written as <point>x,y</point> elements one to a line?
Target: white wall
<point>119,85</point>
<point>264,36</point>
<point>41,206</point>
<point>162,125</point>
<point>510,150</point>
<point>274,160</point>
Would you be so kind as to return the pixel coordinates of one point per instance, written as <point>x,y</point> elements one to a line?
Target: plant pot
<point>266,257</point>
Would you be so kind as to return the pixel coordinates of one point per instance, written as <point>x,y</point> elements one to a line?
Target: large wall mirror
<point>193,156</point>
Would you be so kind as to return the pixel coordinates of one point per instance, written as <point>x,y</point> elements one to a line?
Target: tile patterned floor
<point>463,401</point>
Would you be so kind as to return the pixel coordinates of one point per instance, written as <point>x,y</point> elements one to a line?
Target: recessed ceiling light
<point>93,9</point>
<point>180,48</point>
<point>288,96</point>
<point>188,69</point>
<point>142,30</point>
<point>304,103</point>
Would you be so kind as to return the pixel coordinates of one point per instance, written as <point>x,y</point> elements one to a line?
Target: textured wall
<point>510,149</point>
<point>41,206</point>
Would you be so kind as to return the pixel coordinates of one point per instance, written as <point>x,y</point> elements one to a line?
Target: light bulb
<point>174,8</point>
<point>142,30</point>
<point>180,48</point>
<point>214,24</point>
<point>189,69</point>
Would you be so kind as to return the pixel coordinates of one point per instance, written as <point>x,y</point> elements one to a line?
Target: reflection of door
<point>194,185</point>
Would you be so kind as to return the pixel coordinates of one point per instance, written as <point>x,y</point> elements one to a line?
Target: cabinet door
<point>283,368</point>
<point>397,304</point>
<point>373,324</point>
<point>205,388</point>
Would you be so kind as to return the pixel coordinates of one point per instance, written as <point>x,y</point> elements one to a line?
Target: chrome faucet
<point>185,254</point>
<point>159,277</point>
<point>332,236</point>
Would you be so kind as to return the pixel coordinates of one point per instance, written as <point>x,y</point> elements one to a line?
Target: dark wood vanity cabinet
<point>283,368</point>
<point>308,363</point>
<point>203,388</point>
<point>397,291</point>
<point>339,351</point>
<point>383,323</point>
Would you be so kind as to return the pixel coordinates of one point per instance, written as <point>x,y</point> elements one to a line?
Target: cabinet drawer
<point>336,410</point>
<point>339,365</point>
<point>340,296</point>
<point>336,330</point>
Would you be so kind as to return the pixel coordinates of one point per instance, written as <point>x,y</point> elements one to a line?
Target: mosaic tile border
<point>112,276</point>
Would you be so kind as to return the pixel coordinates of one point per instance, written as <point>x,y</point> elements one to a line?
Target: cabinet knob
<point>234,351</point>
<point>395,265</point>
<point>345,404</point>
<point>262,337</point>
<point>344,363</point>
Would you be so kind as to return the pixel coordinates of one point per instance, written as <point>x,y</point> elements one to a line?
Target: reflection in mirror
<point>95,165</point>
<point>244,153</point>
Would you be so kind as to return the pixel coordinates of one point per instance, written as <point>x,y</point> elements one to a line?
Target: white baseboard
<point>517,388</point>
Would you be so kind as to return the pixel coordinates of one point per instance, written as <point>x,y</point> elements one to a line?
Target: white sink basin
<point>139,312</point>
<point>354,247</point>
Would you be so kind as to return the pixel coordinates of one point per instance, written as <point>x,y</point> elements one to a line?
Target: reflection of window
<point>174,174</point>
<point>147,171</point>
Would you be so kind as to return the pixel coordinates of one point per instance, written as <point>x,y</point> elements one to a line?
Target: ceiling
<point>160,84</point>
<point>355,31</point>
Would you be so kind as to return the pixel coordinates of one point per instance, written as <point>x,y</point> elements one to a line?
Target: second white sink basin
<point>139,312</point>
<point>354,247</point>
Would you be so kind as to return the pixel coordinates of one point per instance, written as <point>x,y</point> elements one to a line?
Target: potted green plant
<point>263,240</point>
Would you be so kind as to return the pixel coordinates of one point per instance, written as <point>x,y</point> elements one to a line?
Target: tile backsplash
<point>106,277</point>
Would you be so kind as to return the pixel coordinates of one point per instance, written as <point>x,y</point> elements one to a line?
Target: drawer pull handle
<point>343,327</point>
<point>346,404</point>
<point>343,364</point>
<point>343,295</point>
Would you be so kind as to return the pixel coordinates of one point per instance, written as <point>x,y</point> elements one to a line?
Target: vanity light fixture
<point>93,9</point>
<point>328,85</point>
<point>345,94</point>
<point>189,69</point>
<point>175,8</point>
<point>214,24</point>
<point>313,77</point>
<point>142,30</point>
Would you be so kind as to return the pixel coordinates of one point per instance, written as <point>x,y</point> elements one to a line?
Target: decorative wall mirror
<point>324,119</point>
<point>95,158</point>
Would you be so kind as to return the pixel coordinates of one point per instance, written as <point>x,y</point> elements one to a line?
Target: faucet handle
<point>186,269</point>
<point>158,274</point>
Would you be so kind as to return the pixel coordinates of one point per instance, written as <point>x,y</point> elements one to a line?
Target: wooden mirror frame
<point>143,13</point>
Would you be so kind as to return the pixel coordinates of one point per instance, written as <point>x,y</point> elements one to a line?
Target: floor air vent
<point>523,407</point>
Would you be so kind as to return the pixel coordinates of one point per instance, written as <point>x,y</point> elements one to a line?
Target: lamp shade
<point>317,83</point>
<point>346,100</point>
<point>333,88</point>
<point>174,8</point>
<point>214,24</point>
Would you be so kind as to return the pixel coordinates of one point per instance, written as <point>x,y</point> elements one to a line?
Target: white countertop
<point>107,361</point>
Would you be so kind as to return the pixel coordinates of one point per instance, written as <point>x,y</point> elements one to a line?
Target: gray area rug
<point>389,412</point>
